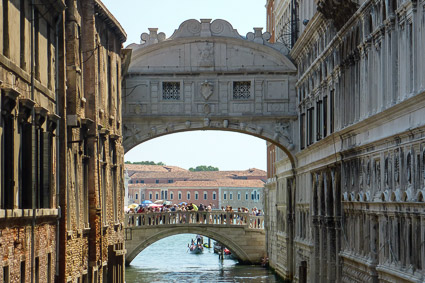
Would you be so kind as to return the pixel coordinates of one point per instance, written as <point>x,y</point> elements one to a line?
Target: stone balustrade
<point>184,218</point>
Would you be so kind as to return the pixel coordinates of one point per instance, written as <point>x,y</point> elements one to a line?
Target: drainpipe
<point>59,20</point>
<point>33,116</point>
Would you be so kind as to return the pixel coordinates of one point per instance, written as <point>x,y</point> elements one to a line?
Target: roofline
<point>110,20</point>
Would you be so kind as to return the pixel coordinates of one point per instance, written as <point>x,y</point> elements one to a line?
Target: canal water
<point>169,260</point>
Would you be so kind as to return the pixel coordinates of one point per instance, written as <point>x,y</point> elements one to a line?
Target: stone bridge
<point>208,77</point>
<point>243,235</point>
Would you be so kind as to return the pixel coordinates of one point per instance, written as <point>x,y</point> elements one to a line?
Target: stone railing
<point>195,218</point>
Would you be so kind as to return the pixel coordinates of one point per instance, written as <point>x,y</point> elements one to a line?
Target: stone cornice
<point>110,20</point>
<point>317,21</point>
<point>401,109</point>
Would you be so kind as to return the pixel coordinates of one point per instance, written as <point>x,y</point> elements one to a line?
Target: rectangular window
<point>332,112</point>
<point>241,90</point>
<point>23,272</point>
<point>214,196</point>
<point>302,130</point>
<point>49,268</point>
<point>224,196</point>
<point>86,180</point>
<point>246,196</point>
<point>25,166</point>
<point>239,196</point>
<point>104,199</point>
<point>99,77</point>
<point>77,191</point>
<point>319,123</point>
<point>188,196</point>
<point>46,156</point>
<point>6,28</point>
<point>36,44</point>
<point>109,86</point>
<point>205,196</point>
<point>6,274</point>
<point>142,181</point>
<point>143,196</point>
<point>137,196</point>
<point>49,57</point>
<point>37,270</point>
<point>310,126</point>
<point>325,116</point>
<point>171,90</point>
<point>7,159</point>
<point>157,181</point>
<point>170,181</point>
<point>231,196</point>
<point>22,34</point>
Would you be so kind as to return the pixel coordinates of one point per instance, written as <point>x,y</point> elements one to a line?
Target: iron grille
<point>241,90</point>
<point>171,90</point>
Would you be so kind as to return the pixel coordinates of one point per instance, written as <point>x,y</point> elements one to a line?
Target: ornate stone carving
<point>282,130</point>
<point>226,123</point>
<point>207,108</point>
<point>152,38</point>
<point>338,11</point>
<point>207,122</point>
<point>206,90</point>
<point>207,55</point>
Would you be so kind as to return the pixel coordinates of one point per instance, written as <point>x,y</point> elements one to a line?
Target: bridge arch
<point>208,77</point>
<point>235,240</point>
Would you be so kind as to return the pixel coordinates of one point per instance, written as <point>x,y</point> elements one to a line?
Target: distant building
<point>220,188</point>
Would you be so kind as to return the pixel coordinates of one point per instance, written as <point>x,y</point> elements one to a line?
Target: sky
<point>225,150</point>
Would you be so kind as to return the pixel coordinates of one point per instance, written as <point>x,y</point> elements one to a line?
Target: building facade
<point>91,234</point>
<point>352,209</point>
<point>61,214</point>
<point>29,204</point>
<point>219,188</point>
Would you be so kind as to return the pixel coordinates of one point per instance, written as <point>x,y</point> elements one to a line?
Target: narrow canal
<point>169,260</point>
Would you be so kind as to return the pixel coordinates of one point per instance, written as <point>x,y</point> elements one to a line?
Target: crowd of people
<point>192,207</point>
<point>236,217</point>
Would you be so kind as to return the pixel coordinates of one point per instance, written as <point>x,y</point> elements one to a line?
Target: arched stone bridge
<point>243,235</point>
<point>208,77</point>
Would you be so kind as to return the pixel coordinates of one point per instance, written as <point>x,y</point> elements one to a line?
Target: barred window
<point>241,90</point>
<point>171,90</point>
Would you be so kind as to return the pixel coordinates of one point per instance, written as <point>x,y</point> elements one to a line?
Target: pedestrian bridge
<point>206,76</point>
<point>241,233</point>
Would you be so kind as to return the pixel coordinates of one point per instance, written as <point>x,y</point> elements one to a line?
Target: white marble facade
<point>352,209</point>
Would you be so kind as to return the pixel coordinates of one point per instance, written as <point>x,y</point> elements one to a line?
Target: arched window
<point>205,195</point>
<point>180,195</point>
<point>239,195</point>
<point>231,196</point>
<point>196,195</point>
<point>246,196</point>
<point>171,195</point>
<point>156,196</point>
<point>224,196</point>
<point>188,195</point>
<point>214,195</point>
<point>150,195</point>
